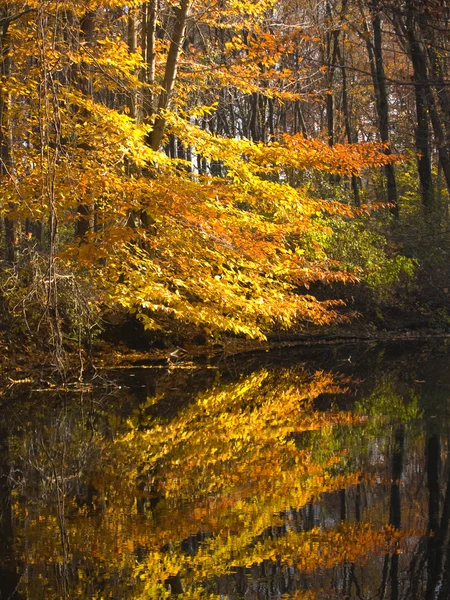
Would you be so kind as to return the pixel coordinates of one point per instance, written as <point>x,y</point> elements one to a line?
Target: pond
<point>296,474</point>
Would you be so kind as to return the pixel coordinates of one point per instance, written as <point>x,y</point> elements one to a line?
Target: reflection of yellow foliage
<point>229,466</point>
<point>240,429</point>
<point>310,595</point>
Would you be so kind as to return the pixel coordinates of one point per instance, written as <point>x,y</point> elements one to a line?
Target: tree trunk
<point>5,134</point>
<point>379,82</point>
<point>332,41</point>
<point>436,67</point>
<point>149,56</point>
<point>83,223</point>
<point>132,46</point>
<point>170,74</point>
<point>425,99</point>
<point>375,54</point>
<point>422,129</point>
<point>408,37</point>
<point>347,123</point>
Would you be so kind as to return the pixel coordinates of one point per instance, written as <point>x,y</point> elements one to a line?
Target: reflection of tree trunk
<point>397,469</point>
<point>395,515</point>
<point>9,577</point>
<point>436,531</point>
<point>358,503</point>
<point>348,568</point>
<point>384,577</point>
<point>433,482</point>
<point>394,577</point>
<point>444,592</point>
<point>433,544</point>
<point>308,517</point>
<point>175,584</point>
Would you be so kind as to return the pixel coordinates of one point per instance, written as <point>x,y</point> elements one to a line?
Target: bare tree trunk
<point>149,55</point>
<point>258,116</point>
<point>379,81</point>
<point>407,34</point>
<point>422,130</point>
<point>132,46</point>
<point>5,132</point>
<point>83,223</point>
<point>348,131</point>
<point>346,113</point>
<point>332,41</point>
<point>170,74</point>
<point>300,119</point>
<point>426,106</point>
<point>434,50</point>
<point>375,54</point>
<point>9,573</point>
<point>434,549</point>
<point>332,37</point>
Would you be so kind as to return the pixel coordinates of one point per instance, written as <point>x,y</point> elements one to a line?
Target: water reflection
<point>291,480</point>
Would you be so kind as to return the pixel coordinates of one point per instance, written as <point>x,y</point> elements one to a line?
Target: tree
<point>223,252</point>
<point>170,73</point>
<point>6,19</point>
<point>374,44</point>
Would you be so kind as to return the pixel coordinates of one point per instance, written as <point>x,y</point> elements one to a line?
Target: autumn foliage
<point>211,236</point>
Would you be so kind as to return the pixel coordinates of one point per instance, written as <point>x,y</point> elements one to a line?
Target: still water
<point>291,475</point>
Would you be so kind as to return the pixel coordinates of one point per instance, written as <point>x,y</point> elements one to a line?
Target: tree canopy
<point>194,164</point>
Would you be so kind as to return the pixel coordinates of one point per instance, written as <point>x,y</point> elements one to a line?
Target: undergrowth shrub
<point>363,249</point>
<point>56,308</point>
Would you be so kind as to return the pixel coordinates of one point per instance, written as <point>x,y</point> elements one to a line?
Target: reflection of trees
<point>430,566</point>
<point>246,489</point>
<point>391,562</point>
<point>9,576</point>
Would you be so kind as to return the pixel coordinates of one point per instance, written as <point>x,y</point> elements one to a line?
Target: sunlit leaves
<point>163,241</point>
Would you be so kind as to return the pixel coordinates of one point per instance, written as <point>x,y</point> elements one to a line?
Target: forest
<point>182,180</point>
<point>253,169</point>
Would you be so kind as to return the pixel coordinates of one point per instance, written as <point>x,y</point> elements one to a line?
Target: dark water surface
<point>303,475</point>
